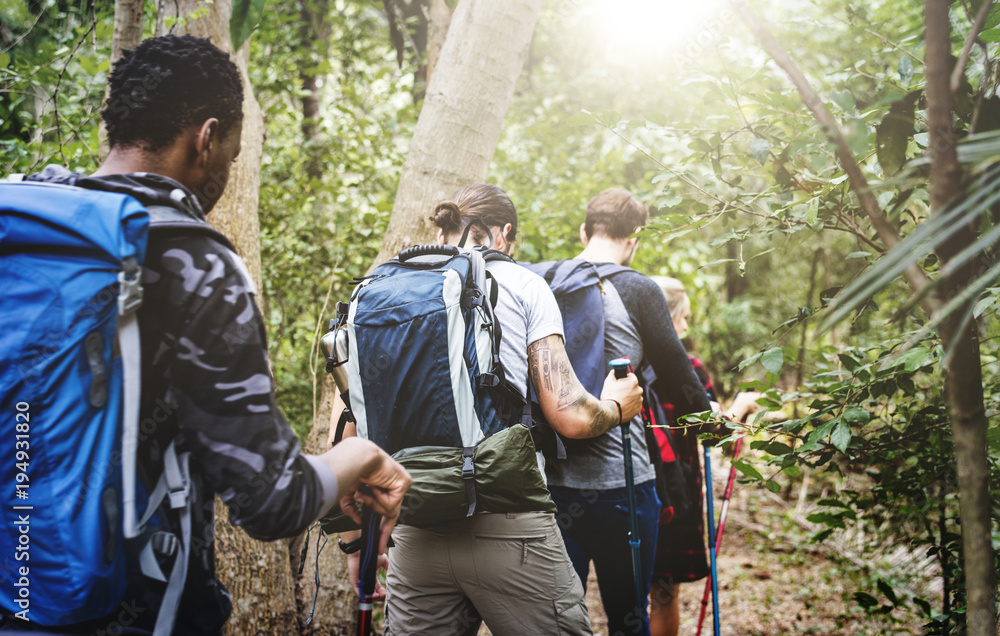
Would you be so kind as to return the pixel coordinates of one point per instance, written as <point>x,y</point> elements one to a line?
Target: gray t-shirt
<point>596,463</point>
<point>527,311</point>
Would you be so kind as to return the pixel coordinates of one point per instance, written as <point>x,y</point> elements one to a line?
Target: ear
<point>583,234</point>
<point>440,238</point>
<point>632,243</point>
<point>501,243</point>
<point>207,140</point>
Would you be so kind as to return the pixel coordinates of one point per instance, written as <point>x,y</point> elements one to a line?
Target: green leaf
<point>991,36</point>
<point>992,18</point>
<point>760,149</point>
<point>841,436</point>
<point>748,361</point>
<point>580,119</point>
<point>812,213</point>
<point>993,438</point>
<point>244,19</point>
<point>890,594</point>
<point>905,68</point>
<point>865,600</point>
<point>773,486</point>
<point>893,133</point>
<point>832,503</point>
<point>914,358</point>
<point>844,99</point>
<point>747,470</point>
<point>772,359</point>
<point>700,145</point>
<point>983,305</point>
<point>857,414</point>
<point>4,60</point>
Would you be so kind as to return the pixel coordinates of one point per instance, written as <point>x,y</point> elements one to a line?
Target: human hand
<point>386,482</point>
<point>626,391</point>
<point>353,567</point>
<point>744,404</point>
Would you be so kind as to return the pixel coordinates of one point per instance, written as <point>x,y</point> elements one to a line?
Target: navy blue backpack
<point>578,286</point>
<point>71,265</point>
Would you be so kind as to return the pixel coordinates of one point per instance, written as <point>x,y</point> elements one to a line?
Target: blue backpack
<point>578,286</point>
<point>71,261</point>
<point>421,348</point>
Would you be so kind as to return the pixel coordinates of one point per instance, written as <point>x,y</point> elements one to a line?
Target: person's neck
<point>129,160</point>
<point>601,249</point>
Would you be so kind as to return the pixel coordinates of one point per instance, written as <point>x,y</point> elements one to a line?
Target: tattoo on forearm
<point>553,373</point>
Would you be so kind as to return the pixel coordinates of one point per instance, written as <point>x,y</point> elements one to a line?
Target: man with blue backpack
<point>610,312</point>
<point>135,377</point>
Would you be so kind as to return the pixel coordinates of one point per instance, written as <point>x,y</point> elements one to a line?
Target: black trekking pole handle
<point>367,567</point>
<point>428,250</point>
<point>622,367</point>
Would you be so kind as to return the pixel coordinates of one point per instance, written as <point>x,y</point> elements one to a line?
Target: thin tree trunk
<point>963,378</point>
<point>257,574</point>
<point>126,36</point>
<point>128,27</point>
<point>461,119</point>
<point>438,19</point>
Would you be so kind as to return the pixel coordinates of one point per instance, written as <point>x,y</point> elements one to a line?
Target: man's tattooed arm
<point>567,406</point>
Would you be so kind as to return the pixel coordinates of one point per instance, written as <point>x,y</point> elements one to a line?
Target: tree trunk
<point>128,27</point>
<point>438,19</point>
<point>456,134</point>
<point>461,119</point>
<point>336,605</point>
<point>257,574</point>
<point>963,379</point>
<point>126,36</point>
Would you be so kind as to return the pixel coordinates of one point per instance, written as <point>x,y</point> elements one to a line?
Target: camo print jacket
<point>206,378</point>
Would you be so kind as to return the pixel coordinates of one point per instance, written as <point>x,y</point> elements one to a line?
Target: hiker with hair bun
<point>681,556</point>
<point>509,570</point>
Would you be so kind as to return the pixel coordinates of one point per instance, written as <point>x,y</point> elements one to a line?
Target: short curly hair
<point>167,84</point>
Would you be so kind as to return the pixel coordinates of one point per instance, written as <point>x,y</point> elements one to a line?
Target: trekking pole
<point>623,367</point>
<point>367,569</point>
<point>711,537</point>
<point>722,525</point>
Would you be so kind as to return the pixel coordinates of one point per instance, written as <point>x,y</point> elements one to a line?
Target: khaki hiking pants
<point>509,570</point>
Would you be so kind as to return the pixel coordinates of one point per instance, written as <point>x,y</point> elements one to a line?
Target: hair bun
<point>447,216</point>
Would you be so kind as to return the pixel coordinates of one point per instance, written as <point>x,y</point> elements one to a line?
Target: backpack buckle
<point>468,462</point>
<point>488,380</point>
<point>129,287</point>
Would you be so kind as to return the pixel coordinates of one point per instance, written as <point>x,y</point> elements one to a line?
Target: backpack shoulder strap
<point>163,219</point>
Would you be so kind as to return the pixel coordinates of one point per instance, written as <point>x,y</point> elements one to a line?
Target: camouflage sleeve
<point>218,376</point>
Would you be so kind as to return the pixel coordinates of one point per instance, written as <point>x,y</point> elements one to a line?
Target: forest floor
<point>775,581</point>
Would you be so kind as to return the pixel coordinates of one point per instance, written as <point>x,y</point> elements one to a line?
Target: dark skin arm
<point>567,406</point>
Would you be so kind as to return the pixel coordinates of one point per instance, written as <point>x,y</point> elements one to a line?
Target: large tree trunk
<point>456,134</point>
<point>257,574</point>
<point>963,380</point>
<point>462,116</point>
<point>336,605</point>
